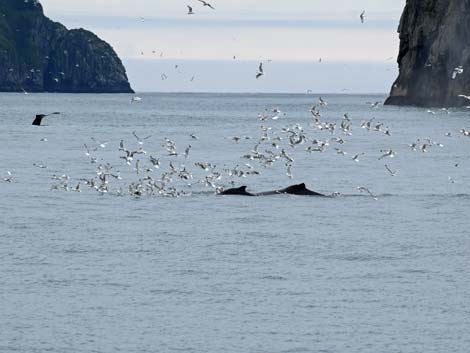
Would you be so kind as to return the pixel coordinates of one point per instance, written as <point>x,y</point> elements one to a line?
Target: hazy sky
<point>290,36</point>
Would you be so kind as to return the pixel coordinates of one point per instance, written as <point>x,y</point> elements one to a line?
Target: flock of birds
<point>272,147</point>
<point>174,173</point>
<point>260,71</point>
<point>204,3</point>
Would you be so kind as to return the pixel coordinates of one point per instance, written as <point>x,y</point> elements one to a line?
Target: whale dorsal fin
<point>295,188</point>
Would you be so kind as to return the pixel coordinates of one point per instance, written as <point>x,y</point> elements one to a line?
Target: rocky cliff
<point>434,56</point>
<point>39,55</point>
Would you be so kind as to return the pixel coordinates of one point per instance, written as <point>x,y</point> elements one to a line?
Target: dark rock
<point>39,55</point>
<point>434,41</point>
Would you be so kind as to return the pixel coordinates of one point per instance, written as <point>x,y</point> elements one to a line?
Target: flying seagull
<point>206,4</point>
<point>322,102</point>
<point>457,71</point>
<point>260,71</point>
<point>190,10</point>
<point>9,178</point>
<point>140,141</point>
<point>362,16</point>
<point>374,104</point>
<point>392,173</point>
<point>364,189</point>
<point>464,96</point>
<point>39,117</point>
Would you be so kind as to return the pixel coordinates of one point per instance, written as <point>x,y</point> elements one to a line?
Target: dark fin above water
<point>38,119</point>
<point>236,191</point>
<point>299,189</point>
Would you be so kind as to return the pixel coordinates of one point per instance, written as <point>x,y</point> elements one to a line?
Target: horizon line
<point>216,92</point>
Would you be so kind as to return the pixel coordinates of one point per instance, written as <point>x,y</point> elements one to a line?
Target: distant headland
<point>434,56</point>
<point>39,55</point>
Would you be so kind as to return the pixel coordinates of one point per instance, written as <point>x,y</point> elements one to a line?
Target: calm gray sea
<point>91,272</point>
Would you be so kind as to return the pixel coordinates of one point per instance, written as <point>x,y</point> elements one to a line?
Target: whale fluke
<point>37,121</point>
<point>236,191</point>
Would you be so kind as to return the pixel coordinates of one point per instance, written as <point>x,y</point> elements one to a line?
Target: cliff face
<point>39,55</point>
<point>434,56</point>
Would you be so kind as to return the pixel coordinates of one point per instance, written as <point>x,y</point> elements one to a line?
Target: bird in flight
<point>140,141</point>
<point>9,178</point>
<point>190,10</point>
<point>457,71</point>
<point>362,16</point>
<point>206,4</point>
<point>364,189</point>
<point>388,153</point>
<point>260,71</point>
<point>37,121</point>
<point>374,104</point>
<point>392,173</point>
<point>356,157</point>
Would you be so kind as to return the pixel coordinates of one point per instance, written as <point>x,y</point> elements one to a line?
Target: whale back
<point>299,189</point>
<point>236,191</point>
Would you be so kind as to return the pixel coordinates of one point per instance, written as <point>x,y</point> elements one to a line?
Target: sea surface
<point>111,272</point>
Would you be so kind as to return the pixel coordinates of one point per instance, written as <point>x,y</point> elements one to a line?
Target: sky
<point>165,49</point>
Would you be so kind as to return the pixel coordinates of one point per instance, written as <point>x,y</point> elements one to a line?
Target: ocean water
<point>102,272</point>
